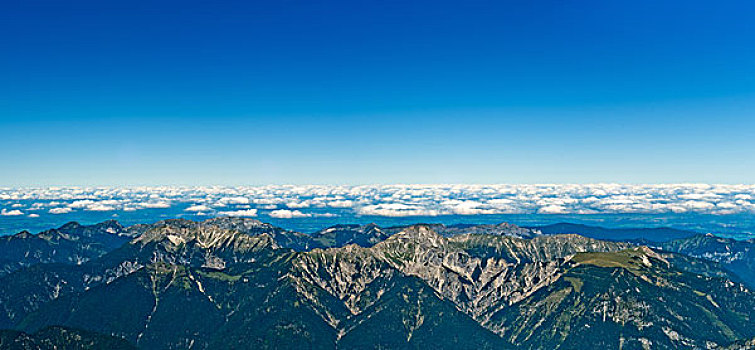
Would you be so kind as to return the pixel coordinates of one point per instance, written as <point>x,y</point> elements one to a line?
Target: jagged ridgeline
<point>230,283</point>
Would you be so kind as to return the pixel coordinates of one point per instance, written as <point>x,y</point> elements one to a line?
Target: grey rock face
<point>478,285</point>
<point>343,235</point>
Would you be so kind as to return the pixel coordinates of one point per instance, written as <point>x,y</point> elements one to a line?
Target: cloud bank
<point>302,201</point>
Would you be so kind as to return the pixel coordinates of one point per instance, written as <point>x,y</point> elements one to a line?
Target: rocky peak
<point>73,231</point>
<point>413,244</point>
<point>22,235</point>
<point>501,229</point>
<point>110,226</point>
<point>418,234</point>
<point>507,229</point>
<point>374,229</point>
<point>71,243</point>
<point>178,232</point>
<point>198,244</point>
<point>342,235</point>
<point>211,235</point>
<point>647,251</point>
<point>71,225</point>
<point>236,223</point>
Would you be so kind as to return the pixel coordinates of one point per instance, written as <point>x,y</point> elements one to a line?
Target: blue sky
<point>126,93</point>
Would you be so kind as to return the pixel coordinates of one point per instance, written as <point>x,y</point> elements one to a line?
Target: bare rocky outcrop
<point>478,285</point>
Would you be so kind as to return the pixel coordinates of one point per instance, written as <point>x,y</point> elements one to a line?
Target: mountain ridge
<point>249,286</point>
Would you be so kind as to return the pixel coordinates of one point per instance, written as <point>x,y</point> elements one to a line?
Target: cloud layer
<point>289,201</point>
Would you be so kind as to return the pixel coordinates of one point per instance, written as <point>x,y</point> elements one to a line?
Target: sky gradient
<point>132,93</point>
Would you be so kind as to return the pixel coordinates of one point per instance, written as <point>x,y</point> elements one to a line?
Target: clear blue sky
<point>256,92</point>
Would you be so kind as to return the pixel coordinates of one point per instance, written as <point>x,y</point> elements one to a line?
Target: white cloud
<point>287,214</point>
<point>397,200</point>
<point>64,210</point>
<point>234,200</point>
<point>340,204</point>
<point>698,205</point>
<point>240,213</point>
<point>552,209</point>
<point>37,206</point>
<point>396,210</point>
<point>154,205</point>
<point>80,204</point>
<point>299,205</point>
<point>99,207</point>
<point>198,208</point>
<point>467,207</point>
<point>14,212</point>
<point>726,205</point>
<point>33,215</point>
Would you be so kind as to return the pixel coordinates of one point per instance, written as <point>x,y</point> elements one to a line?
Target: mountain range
<point>233,283</point>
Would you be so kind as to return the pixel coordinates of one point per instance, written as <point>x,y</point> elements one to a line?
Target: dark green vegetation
<point>70,244</point>
<point>241,284</point>
<point>59,338</point>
